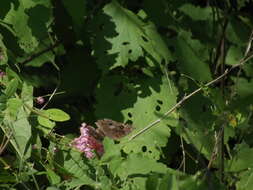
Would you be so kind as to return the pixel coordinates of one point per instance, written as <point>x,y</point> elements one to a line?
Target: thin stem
<point>183,152</point>
<point>50,97</point>
<point>3,145</point>
<point>177,105</point>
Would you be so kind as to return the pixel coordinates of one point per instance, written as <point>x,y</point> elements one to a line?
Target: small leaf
<point>52,176</point>
<point>196,13</point>
<point>46,122</point>
<point>21,133</point>
<point>13,107</point>
<point>242,159</point>
<point>57,114</point>
<point>11,87</point>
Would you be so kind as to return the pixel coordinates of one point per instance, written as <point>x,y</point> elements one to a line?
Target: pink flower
<point>2,73</point>
<point>87,143</point>
<point>40,100</point>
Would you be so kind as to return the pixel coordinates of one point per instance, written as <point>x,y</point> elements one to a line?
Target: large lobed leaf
<point>142,104</point>
<point>132,39</point>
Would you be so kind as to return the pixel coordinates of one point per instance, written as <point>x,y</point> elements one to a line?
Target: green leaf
<point>241,4</point>
<point>77,11</point>
<point>47,118</point>
<point>3,101</point>
<point>3,53</point>
<point>234,55</point>
<point>19,20</point>
<point>149,99</point>
<point>134,38</point>
<point>52,188</point>
<point>13,107</point>
<point>191,56</point>
<point>39,18</point>
<point>27,95</point>
<point>197,13</point>
<point>198,126</point>
<point>53,177</point>
<point>75,165</point>
<point>237,32</point>
<point>112,151</point>
<point>12,87</point>
<point>74,182</point>
<point>244,87</point>
<point>169,182</point>
<point>246,180</point>
<point>137,164</point>
<point>47,124</point>
<point>12,74</point>
<point>242,158</point>
<point>56,114</point>
<point>6,177</point>
<point>156,12</point>
<point>39,60</point>
<point>248,69</point>
<point>21,132</point>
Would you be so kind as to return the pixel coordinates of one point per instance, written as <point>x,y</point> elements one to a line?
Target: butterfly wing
<point>113,129</point>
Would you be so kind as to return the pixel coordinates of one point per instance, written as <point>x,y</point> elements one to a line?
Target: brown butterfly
<point>112,129</point>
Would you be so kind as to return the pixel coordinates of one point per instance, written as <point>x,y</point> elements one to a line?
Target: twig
<point>177,105</point>
<point>4,144</point>
<point>249,45</point>
<point>215,149</point>
<point>57,93</point>
<point>40,53</point>
<point>183,151</point>
<point>51,96</point>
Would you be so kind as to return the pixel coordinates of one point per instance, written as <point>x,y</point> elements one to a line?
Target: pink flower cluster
<point>87,143</point>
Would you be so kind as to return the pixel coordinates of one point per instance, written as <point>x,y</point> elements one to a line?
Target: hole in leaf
<point>129,114</point>
<point>129,122</point>
<point>160,102</point>
<point>129,51</point>
<point>158,108</point>
<point>125,43</point>
<point>144,38</point>
<point>144,149</point>
<point>150,151</point>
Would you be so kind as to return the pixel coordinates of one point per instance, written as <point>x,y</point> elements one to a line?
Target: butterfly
<point>112,129</point>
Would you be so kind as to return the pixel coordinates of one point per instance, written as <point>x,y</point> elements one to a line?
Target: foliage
<point>130,61</point>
